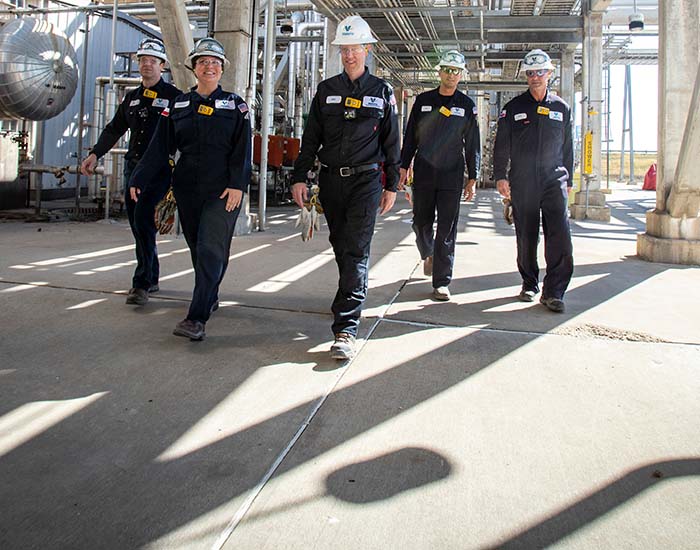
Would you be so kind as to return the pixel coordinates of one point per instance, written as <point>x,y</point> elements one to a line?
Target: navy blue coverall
<point>442,137</point>
<point>214,140</point>
<point>139,112</point>
<point>535,137</point>
<point>353,128</point>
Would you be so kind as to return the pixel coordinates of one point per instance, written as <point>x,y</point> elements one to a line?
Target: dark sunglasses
<point>538,72</point>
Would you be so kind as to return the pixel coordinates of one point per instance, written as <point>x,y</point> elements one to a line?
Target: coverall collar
<point>216,93</point>
<point>545,99</point>
<point>359,83</point>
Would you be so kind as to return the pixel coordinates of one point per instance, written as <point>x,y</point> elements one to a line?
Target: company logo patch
<point>161,102</point>
<point>457,111</point>
<point>426,108</point>
<point>374,102</point>
<point>556,115</point>
<point>227,104</point>
<point>331,99</point>
<point>520,116</point>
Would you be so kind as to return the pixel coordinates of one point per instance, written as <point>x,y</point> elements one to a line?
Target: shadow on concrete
<point>599,503</point>
<point>387,475</point>
<point>96,479</point>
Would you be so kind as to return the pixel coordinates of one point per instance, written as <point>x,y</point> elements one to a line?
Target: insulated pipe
<point>94,130</point>
<point>115,4</point>
<point>81,113</point>
<point>253,74</point>
<point>268,83</point>
<point>55,170</point>
<point>324,67</point>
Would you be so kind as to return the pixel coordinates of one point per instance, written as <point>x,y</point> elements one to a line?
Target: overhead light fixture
<point>636,20</point>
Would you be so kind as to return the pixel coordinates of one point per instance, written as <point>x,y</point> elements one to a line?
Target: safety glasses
<point>538,72</point>
<point>451,70</point>
<point>209,62</point>
<point>351,50</point>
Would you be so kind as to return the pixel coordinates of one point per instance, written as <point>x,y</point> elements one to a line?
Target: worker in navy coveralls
<point>534,135</point>
<point>211,129</point>
<point>353,128</point>
<point>442,141</point>
<point>139,112</point>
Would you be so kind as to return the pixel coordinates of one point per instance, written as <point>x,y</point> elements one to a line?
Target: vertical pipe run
<point>81,115</point>
<point>268,83</point>
<point>628,79</point>
<point>113,51</point>
<point>624,129</point>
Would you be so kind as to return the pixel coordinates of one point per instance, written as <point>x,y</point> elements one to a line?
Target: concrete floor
<point>479,423</point>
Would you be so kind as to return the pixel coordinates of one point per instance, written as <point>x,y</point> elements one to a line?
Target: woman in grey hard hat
<point>211,129</point>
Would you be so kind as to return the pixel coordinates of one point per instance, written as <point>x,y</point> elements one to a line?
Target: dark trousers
<point>350,206</point>
<point>141,216</point>
<point>208,230</point>
<point>529,199</point>
<point>427,198</point>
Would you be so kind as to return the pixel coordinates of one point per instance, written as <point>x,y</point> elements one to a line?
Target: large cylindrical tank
<point>38,70</point>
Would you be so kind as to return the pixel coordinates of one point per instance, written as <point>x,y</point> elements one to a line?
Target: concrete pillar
<point>233,28</point>
<point>589,203</point>
<point>673,227</point>
<point>567,76</point>
<point>177,37</point>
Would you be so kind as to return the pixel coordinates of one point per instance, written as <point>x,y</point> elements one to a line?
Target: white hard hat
<point>206,47</point>
<point>153,47</point>
<point>353,30</point>
<point>451,58</point>
<point>536,59</point>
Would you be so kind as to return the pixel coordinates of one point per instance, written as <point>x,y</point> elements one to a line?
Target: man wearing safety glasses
<point>442,141</point>
<point>534,136</point>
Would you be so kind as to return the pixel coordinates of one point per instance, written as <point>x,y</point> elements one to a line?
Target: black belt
<point>346,171</point>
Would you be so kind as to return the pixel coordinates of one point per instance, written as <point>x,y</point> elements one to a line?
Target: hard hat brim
<point>548,65</point>
<point>348,41</point>
<point>158,55</point>
<point>461,66</point>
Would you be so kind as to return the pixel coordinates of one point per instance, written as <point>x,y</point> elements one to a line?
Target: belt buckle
<point>345,171</point>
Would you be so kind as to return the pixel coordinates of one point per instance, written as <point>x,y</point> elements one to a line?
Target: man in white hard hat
<point>139,112</point>
<point>353,128</point>
<point>534,137</point>
<point>442,141</point>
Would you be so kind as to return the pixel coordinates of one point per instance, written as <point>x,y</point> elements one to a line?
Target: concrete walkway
<point>478,423</point>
